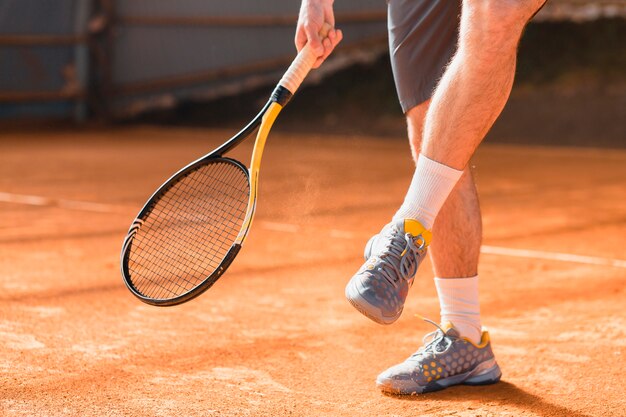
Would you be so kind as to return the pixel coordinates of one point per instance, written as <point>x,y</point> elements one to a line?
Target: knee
<point>500,16</point>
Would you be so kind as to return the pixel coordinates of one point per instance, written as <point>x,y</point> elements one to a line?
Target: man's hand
<point>313,14</point>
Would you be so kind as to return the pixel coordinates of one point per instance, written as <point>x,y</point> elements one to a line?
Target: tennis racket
<point>190,230</point>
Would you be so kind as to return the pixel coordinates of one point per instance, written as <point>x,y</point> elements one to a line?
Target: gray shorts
<point>423,36</point>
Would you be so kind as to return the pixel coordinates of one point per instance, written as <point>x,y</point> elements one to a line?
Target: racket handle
<point>301,65</point>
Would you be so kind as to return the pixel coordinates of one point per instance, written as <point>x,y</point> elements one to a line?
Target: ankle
<point>467,330</point>
<point>458,299</point>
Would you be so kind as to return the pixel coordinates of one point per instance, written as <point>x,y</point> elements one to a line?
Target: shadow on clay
<point>502,393</point>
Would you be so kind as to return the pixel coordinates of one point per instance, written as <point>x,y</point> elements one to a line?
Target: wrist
<point>319,2</point>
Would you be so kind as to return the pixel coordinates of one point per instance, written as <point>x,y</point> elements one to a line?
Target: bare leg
<point>478,81</point>
<point>456,247</point>
<point>467,101</point>
<point>458,227</point>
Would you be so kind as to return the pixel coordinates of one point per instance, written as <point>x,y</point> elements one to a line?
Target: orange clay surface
<point>275,337</point>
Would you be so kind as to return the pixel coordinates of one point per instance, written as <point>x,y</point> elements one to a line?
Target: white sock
<point>431,184</point>
<point>458,299</point>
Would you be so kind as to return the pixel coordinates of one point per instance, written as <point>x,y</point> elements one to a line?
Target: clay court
<point>275,336</point>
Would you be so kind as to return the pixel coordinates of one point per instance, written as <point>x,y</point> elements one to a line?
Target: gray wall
<point>27,68</point>
<point>150,53</point>
<point>62,58</point>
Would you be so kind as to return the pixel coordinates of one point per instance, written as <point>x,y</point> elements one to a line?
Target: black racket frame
<point>280,95</point>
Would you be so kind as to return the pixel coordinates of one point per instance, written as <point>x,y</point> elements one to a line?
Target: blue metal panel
<point>42,69</point>
<point>158,51</point>
<point>231,7</point>
<point>33,68</point>
<point>145,53</point>
<point>37,16</point>
<point>152,54</point>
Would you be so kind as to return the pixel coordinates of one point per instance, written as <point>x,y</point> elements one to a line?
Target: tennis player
<point>453,63</point>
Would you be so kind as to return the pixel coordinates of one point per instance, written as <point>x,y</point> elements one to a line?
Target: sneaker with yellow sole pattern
<point>446,359</point>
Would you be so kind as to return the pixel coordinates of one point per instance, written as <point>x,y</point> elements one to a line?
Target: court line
<point>280,227</point>
<point>486,249</point>
<point>39,201</point>
<point>33,200</point>
<point>552,256</point>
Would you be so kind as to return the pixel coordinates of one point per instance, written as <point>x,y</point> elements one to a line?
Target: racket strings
<point>189,230</point>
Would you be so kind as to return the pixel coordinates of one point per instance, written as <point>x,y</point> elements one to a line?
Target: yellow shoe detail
<point>484,340</point>
<point>415,228</point>
<point>447,326</point>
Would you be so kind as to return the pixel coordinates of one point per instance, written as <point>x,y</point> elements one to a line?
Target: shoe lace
<point>435,342</point>
<point>401,258</point>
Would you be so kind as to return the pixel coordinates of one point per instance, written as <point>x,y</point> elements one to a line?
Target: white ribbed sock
<point>458,299</point>
<point>431,184</point>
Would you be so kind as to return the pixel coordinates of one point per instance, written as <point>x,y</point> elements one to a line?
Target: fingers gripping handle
<point>301,65</point>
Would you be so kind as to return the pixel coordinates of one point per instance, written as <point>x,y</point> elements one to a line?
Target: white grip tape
<point>298,69</point>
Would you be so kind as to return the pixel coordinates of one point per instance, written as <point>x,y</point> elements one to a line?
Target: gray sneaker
<point>446,359</point>
<point>379,288</point>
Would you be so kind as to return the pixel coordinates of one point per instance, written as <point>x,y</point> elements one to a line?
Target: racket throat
<point>255,163</point>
